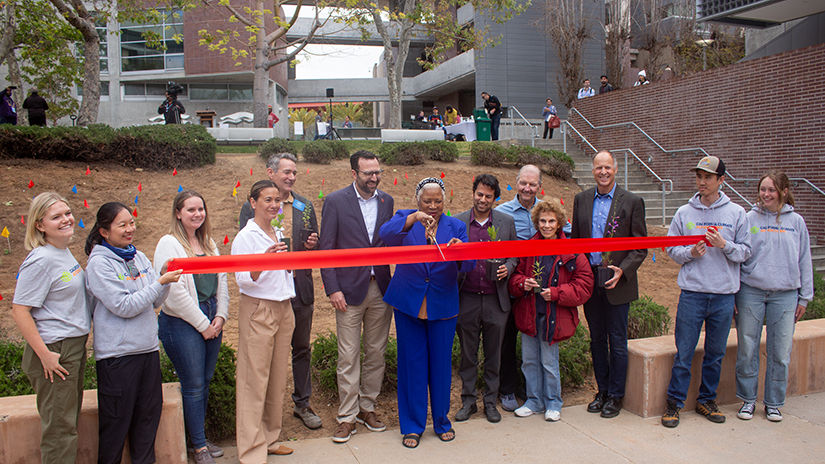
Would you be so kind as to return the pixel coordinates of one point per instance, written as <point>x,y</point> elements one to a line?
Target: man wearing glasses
<point>351,218</point>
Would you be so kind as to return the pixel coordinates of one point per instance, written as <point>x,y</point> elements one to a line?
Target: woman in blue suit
<point>425,298</point>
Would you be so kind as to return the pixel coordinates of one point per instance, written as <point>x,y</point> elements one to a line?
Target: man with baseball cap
<point>709,279</point>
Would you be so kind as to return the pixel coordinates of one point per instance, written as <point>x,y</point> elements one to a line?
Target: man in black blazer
<point>608,210</point>
<point>299,214</point>
<point>483,305</point>
<point>350,219</point>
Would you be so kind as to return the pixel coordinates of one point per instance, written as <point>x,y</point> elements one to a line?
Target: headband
<point>429,180</point>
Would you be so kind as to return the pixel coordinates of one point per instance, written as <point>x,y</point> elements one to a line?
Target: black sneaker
<point>671,416</point>
<point>711,411</point>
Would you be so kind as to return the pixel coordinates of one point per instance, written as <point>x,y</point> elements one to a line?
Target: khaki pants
<point>58,403</point>
<point>264,334</point>
<point>359,386</point>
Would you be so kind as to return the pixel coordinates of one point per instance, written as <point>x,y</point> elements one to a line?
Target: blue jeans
<point>194,359</point>
<point>540,365</point>
<point>716,313</point>
<point>776,310</point>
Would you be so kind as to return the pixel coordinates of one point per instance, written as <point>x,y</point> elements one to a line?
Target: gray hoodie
<point>718,270</point>
<point>123,307</point>
<point>781,258</point>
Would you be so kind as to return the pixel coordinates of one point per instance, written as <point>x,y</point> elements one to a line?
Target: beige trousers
<point>264,334</point>
<point>359,386</point>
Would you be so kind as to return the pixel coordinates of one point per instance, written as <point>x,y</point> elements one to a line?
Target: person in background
<point>642,79</point>
<point>37,107</point>
<point>171,108</point>
<point>425,298</point>
<point>421,117</point>
<point>126,290</point>
<point>586,90</point>
<point>265,325</point>
<point>8,112</point>
<point>776,286</point>
<point>547,113</point>
<point>347,123</point>
<point>51,310</point>
<point>192,317</point>
<point>271,118</point>
<point>606,87</point>
<point>436,120</point>
<point>451,116</point>
<point>493,107</point>
<point>549,316</point>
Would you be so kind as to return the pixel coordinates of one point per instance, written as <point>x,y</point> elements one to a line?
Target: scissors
<point>432,236</point>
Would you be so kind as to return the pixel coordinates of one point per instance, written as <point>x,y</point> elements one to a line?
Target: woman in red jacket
<point>548,290</point>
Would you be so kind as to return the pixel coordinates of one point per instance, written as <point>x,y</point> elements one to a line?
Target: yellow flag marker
<point>5,232</point>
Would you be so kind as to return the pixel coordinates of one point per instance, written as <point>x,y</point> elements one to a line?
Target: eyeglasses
<point>369,174</point>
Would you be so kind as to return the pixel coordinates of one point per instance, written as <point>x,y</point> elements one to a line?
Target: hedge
<point>147,147</point>
<point>415,153</point>
<point>551,162</point>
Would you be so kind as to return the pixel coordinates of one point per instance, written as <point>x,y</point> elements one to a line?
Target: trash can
<point>479,113</point>
<point>483,126</point>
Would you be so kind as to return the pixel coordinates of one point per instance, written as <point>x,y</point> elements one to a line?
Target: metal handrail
<point>626,151</point>
<point>532,127</point>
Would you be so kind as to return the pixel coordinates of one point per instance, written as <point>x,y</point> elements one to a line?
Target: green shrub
<point>324,363</point>
<point>317,152</point>
<point>13,381</point>
<point>552,162</point>
<point>220,412</point>
<point>414,153</point>
<point>488,154</point>
<point>456,357</point>
<point>147,147</point>
<point>816,307</point>
<point>339,148</point>
<point>647,319</point>
<point>575,363</point>
<point>275,145</point>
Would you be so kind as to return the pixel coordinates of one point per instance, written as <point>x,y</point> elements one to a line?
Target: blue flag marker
<point>74,189</point>
<point>509,188</point>
<point>80,224</point>
<point>654,256</point>
<point>180,188</point>
<point>499,198</point>
<point>136,199</point>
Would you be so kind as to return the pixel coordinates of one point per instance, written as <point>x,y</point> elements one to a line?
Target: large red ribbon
<point>418,254</point>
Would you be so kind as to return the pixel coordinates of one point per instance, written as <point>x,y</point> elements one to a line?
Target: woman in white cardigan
<point>192,317</point>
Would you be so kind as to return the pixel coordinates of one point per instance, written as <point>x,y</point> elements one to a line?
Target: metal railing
<point>533,134</point>
<point>664,182</point>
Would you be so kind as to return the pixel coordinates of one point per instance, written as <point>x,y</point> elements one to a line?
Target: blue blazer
<point>437,281</point>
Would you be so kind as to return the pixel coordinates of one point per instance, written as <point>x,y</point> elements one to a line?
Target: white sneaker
<point>773,414</point>
<point>524,411</point>
<point>746,411</point>
<point>552,416</point>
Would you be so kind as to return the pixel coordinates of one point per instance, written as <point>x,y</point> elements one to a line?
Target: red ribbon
<point>418,254</point>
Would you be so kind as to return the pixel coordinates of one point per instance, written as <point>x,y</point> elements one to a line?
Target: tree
<point>262,34</point>
<point>617,40</point>
<point>342,110</point>
<point>304,115</point>
<point>568,25</point>
<point>9,29</point>
<point>397,26</point>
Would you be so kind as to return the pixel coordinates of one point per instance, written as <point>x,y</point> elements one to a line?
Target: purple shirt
<point>476,280</point>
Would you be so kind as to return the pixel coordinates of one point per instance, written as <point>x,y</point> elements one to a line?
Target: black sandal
<point>441,435</point>
<point>411,436</point>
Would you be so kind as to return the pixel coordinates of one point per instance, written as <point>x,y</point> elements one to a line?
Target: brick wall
<point>758,115</point>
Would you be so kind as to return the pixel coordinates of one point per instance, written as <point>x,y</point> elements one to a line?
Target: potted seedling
<point>278,224</point>
<point>306,230</point>
<point>538,269</point>
<point>604,272</point>
<point>491,265</point>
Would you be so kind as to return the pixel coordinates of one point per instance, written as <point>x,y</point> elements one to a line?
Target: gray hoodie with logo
<point>123,307</point>
<point>781,258</point>
<point>717,271</point>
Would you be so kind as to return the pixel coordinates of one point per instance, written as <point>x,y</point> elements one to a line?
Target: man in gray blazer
<point>300,214</point>
<point>483,304</point>
<point>350,219</point>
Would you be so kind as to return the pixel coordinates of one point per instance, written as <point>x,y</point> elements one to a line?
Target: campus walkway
<point>581,437</point>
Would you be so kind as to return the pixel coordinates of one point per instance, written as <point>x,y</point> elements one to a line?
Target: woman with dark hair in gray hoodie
<point>777,284</point>
<point>125,290</point>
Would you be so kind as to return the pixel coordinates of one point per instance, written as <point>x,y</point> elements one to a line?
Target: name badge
<point>298,204</point>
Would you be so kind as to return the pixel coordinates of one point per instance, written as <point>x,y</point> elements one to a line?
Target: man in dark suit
<point>350,219</point>
<point>483,304</point>
<point>608,210</point>
<point>298,215</point>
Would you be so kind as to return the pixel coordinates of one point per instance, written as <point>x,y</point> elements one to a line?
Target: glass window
<point>134,90</point>
<point>104,89</point>
<point>208,92</point>
<point>240,92</point>
<point>138,56</point>
<point>142,64</point>
<point>156,89</point>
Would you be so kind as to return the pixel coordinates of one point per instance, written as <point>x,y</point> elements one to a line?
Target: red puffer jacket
<point>574,287</point>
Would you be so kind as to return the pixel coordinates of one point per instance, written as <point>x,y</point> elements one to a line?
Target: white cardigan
<point>183,296</point>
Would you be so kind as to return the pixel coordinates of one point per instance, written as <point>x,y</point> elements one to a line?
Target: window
<point>104,90</point>
<point>139,91</point>
<point>103,35</point>
<point>231,92</point>
<point>137,55</point>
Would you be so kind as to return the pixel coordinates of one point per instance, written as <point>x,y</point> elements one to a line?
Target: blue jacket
<point>437,281</point>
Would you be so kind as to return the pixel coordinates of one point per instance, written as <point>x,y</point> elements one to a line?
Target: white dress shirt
<point>271,285</point>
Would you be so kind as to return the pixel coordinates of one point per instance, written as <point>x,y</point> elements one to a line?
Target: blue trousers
<point>608,341</point>
<point>424,365</point>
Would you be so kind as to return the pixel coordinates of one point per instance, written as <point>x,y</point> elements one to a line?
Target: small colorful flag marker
<point>22,221</point>
<point>499,198</point>
<point>225,239</point>
<point>448,213</point>
<point>31,183</point>
<point>180,188</point>
<point>74,188</point>
<point>5,233</point>
<point>474,179</point>
<point>134,213</point>
<point>250,171</point>
<point>395,181</point>
<point>1,297</point>
<point>140,187</point>
<point>509,188</point>
<point>322,183</point>
<point>234,192</point>
<point>136,199</point>
<point>442,174</point>
<point>80,224</point>
<point>307,170</point>
<point>238,184</point>
<point>175,172</point>
<point>654,256</point>
<point>88,171</point>
<point>320,193</point>
<point>560,198</point>
<point>85,203</point>
<point>406,176</point>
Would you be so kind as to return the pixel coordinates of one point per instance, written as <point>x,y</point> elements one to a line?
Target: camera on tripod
<point>173,88</point>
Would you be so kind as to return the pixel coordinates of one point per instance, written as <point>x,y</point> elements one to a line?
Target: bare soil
<point>155,191</point>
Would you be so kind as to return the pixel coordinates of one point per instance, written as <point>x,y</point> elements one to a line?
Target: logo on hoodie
<point>754,230</point>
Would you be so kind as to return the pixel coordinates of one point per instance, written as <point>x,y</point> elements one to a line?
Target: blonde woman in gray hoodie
<point>776,286</point>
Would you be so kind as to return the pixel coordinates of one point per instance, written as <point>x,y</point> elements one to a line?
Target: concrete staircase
<point>818,256</point>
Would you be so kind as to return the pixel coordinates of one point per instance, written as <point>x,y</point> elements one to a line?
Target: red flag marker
<point>85,203</point>
<point>22,221</point>
<point>1,297</point>
<point>451,192</point>
<point>238,184</point>
<point>250,171</point>
<point>395,182</point>
<point>442,174</point>
<point>175,172</point>
<point>134,213</point>
<point>474,179</point>
<point>88,171</point>
<point>406,176</point>
<point>140,187</point>
<point>225,239</point>
<point>560,199</point>
<point>322,183</point>
<point>31,183</point>
<point>307,170</point>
